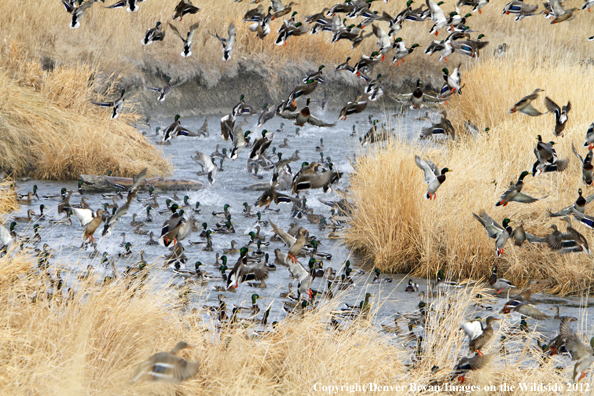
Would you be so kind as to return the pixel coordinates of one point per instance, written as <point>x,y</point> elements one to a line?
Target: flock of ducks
<point>180,222</point>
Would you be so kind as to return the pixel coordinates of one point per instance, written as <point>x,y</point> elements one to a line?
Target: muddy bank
<point>261,83</point>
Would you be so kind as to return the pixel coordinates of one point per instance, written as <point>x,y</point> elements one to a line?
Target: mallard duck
<point>466,364</point>
<point>383,41</point>
<point>590,137</point>
<point>470,48</point>
<point>559,14</point>
<point>477,343</point>
<point>132,5</point>
<point>453,80</point>
<point>298,271</point>
<point>175,129</point>
<point>499,284</point>
<point>279,9</point>
<point>581,353</point>
<point>166,367</point>
<point>514,193</point>
<point>437,17</point>
<point>411,287</point>
<point>354,107</point>
<point>304,116</point>
<point>76,10</point>
<point>209,166</point>
<point>432,176</point>
<point>519,8</point>
<point>289,29</point>
<point>184,7</point>
<point>228,42</point>
<point>153,34</point>
<point>29,218</point>
<point>442,128</point>
<point>560,115</point>
<point>345,66</point>
<point>546,158</point>
<point>587,168</point>
<point>7,235</point>
<point>401,50</point>
<point>163,92</point>
<point>524,105</point>
<point>365,64</point>
<point>117,104</point>
<point>170,229</point>
<point>500,233</point>
<point>91,226</point>
<point>417,98</point>
<point>242,271</point>
<point>322,180</point>
<point>188,41</point>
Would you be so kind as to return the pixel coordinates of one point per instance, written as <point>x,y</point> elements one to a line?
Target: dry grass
<point>91,343</point>
<point>50,130</point>
<point>399,230</point>
<point>110,40</point>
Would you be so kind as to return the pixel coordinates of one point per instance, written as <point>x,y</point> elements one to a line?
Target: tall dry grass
<point>53,343</point>
<point>49,129</point>
<point>397,229</point>
<point>110,40</point>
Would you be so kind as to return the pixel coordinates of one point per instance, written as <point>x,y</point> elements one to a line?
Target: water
<point>228,189</point>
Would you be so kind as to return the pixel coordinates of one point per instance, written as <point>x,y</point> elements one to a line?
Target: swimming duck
<point>166,367</point>
<point>184,7</point>
<point>116,105</point>
<point>29,218</point>
<point>411,287</point>
<point>560,115</point>
<point>500,233</point>
<point>188,41</point>
<point>442,128</point>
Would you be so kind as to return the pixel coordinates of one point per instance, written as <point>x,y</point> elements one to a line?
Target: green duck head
<point>259,216</point>
<point>41,208</point>
<point>35,188</point>
<point>440,274</point>
<point>245,204</point>
<point>148,210</point>
<point>293,14</point>
<point>223,269</point>
<point>506,221</point>
<point>409,2</point>
<point>177,117</point>
<point>197,266</point>
<point>226,207</point>
<point>397,40</point>
<point>321,67</point>
<point>494,270</point>
<point>415,46</point>
<point>375,53</point>
<point>378,272</point>
<point>181,212</point>
<point>453,13</point>
<point>141,265</point>
<point>105,206</point>
<point>174,207</point>
<point>168,202</point>
<point>273,150</point>
<point>304,164</point>
<point>243,252</point>
<point>241,97</point>
<point>445,170</point>
<point>440,3</point>
<point>186,199</point>
<point>205,226</point>
<point>113,211</point>
<point>224,260</point>
<point>445,71</point>
<point>468,15</point>
<point>197,204</point>
<point>246,134</point>
<point>252,235</point>
<point>158,24</point>
<point>311,263</point>
<point>63,191</point>
<point>480,36</point>
<point>255,298</point>
<point>157,129</point>
<point>523,175</point>
<point>80,183</point>
<point>128,246</point>
<point>228,224</point>
<point>35,227</point>
<point>280,155</point>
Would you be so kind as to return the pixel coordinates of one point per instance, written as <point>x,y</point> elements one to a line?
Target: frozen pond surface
<point>338,143</point>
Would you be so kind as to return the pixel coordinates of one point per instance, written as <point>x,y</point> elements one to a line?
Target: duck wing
<point>494,229</point>
<point>285,236</point>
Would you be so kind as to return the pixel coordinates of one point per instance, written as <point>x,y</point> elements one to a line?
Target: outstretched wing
<point>193,30</point>
<point>317,122</point>
<point>176,32</point>
<point>427,169</point>
<point>285,236</point>
<point>493,228</point>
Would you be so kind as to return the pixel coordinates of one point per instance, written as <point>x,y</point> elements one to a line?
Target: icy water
<point>339,144</point>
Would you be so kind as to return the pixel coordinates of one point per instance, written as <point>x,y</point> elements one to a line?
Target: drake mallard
<point>587,168</point>
<point>437,16</point>
<point>171,228</point>
<point>166,367</point>
<point>466,364</point>
<point>117,104</point>
<point>7,235</point>
<point>453,80</point>
<point>417,98</point>
<point>228,42</point>
<point>242,271</point>
<point>432,176</point>
<point>305,116</point>
<point>153,34</point>
<point>76,10</point>
<point>581,353</point>
<point>501,233</point>
<point>402,51</point>
<point>132,5</point>
<point>209,166</point>
<point>579,205</point>
<point>188,41</point>
<point>560,115</point>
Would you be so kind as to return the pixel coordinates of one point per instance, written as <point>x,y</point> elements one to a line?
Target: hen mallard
<point>167,367</point>
<point>304,116</point>
<point>581,353</point>
<point>524,105</point>
<point>184,7</point>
